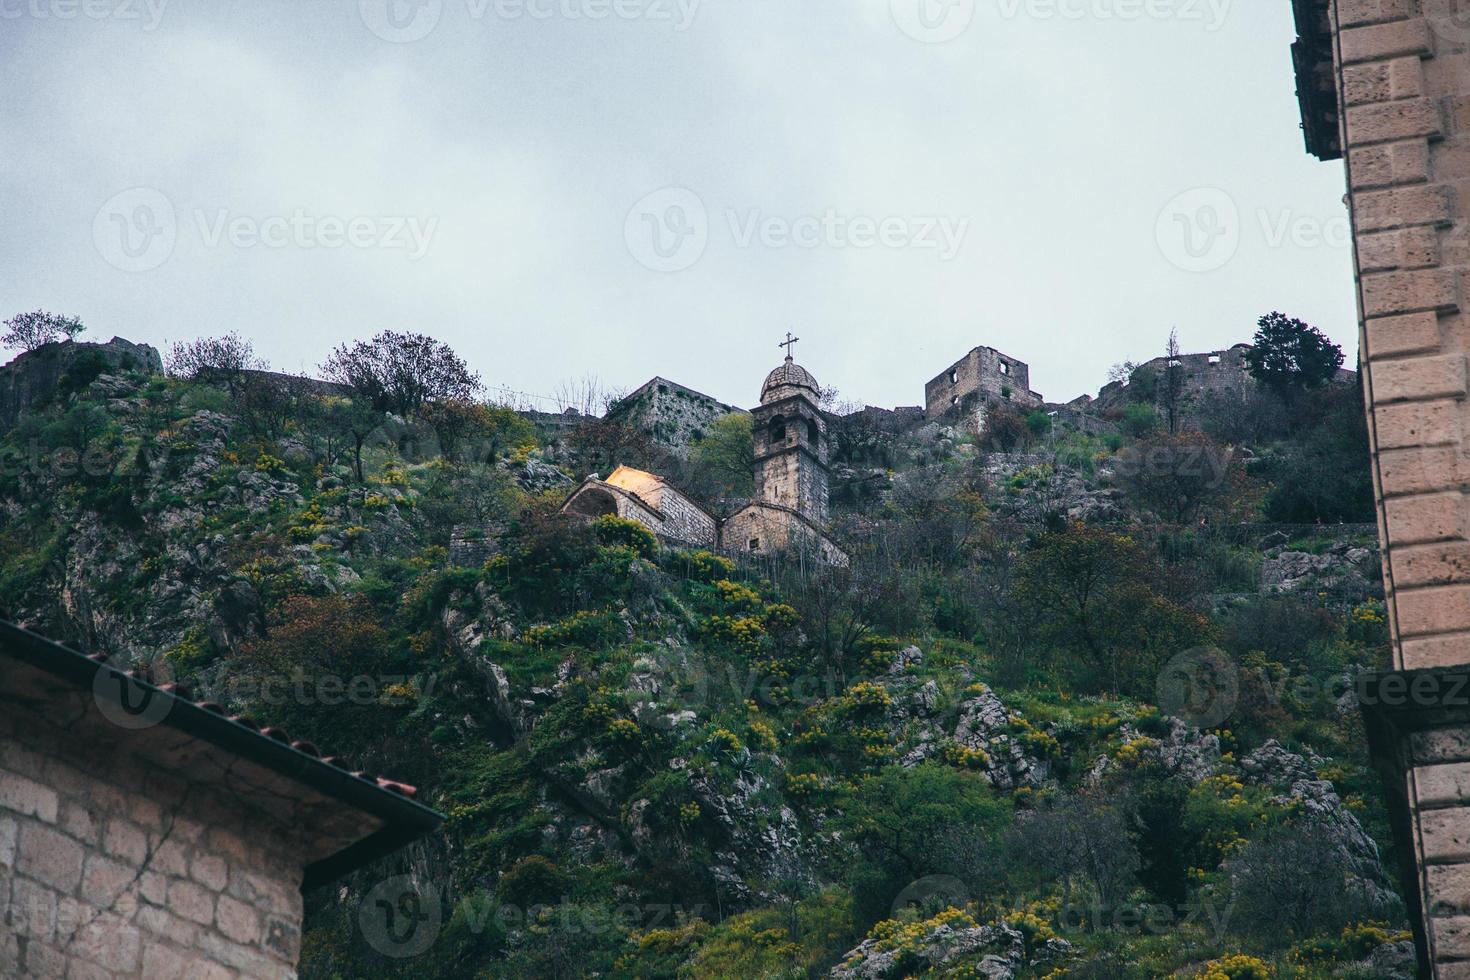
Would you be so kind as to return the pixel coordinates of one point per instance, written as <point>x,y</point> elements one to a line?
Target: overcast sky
<point>635,187</point>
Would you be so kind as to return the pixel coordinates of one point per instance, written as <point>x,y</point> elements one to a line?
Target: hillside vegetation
<point>1081,707</point>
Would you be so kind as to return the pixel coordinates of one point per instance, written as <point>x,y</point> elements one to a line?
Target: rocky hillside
<point>991,748</point>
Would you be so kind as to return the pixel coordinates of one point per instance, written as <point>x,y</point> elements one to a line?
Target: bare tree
<point>31,330</point>
<point>223,360</point>
<point>1080,839</point>
<point>1171,388</point>
<point>588,395</point>
<point>401,372</point>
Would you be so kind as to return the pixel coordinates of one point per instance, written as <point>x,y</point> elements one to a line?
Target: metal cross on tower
<point>788,343</point>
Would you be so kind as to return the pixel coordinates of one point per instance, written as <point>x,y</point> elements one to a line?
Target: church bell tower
<point>791,441</point>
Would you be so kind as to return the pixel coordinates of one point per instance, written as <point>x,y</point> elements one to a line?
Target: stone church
<point>789,511</point>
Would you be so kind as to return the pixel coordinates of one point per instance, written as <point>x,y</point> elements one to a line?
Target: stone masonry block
<point>1387,293</point>
<point>1402,207</point>
<point>1385,122</point>
<point>1432,517</point>
<point>1417,471</point>
<point>1402,37</point>
<point>1404,248</point>
<point>1432,423</point>
<point>1443,785</point>
<point>1445,650</point>
<point>1441,376</point>
<point>1382,81</point>
<point>1446,835</point>
<point>27,797</point>
<point>1395,336</point>
<point>1431,564</point>
<point>50,856</point>
<point>1448,889</point>
<point>1439,609</point>
<point>1388,164</point>
<point>1353,13</point>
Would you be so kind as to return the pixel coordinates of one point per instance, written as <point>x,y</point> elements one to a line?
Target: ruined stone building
<point>146,835</point>
<point>1384,85</point>
<point>982,378</point>
<point>670,414</point>
<point>789,512</point>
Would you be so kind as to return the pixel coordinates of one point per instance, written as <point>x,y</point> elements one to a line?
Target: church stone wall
<point>685,522</point>
<point>795,480</point>
<point>110,867</point>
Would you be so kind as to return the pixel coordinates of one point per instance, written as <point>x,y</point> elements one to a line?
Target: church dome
<point>787,380</point>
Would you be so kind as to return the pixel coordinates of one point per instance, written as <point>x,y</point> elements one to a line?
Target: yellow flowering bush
<point>1238,967</point>
<point>747,633</point>
<point>964,757</point>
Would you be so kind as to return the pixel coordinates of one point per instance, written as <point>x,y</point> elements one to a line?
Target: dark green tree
<point>1290,355</point>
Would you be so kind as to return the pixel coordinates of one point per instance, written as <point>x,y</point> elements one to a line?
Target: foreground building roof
<point>348,817</point>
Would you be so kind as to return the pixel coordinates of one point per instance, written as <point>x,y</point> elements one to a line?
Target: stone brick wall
<point>984,375</point>
<point>1404,83</point>
<point>110,867</point>
<point>766,530</point>
<point>670,414</point>
<point>685,522</point>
